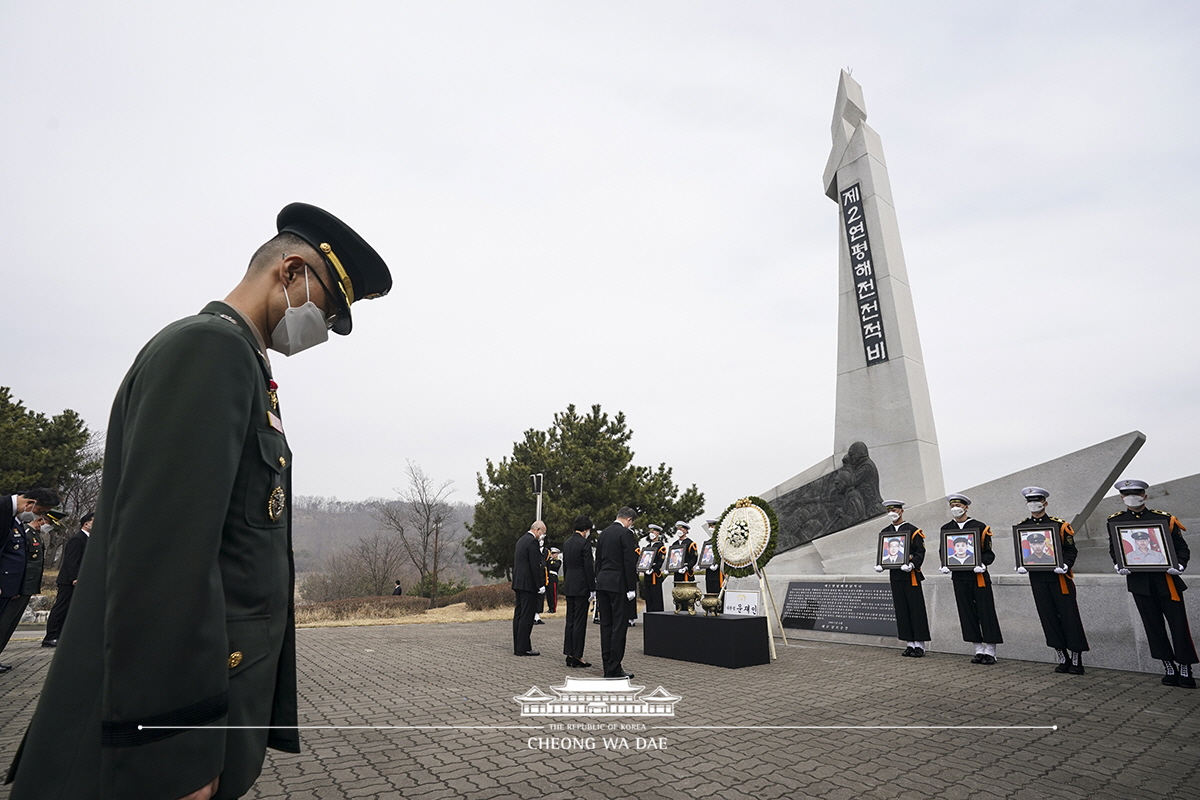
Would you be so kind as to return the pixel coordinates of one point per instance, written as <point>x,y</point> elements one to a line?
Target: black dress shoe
<point>1063,667</point>
<point>918,652</point>
<point>988,659</point>
<point>978,659</point>
<point>1187,681</point>
<point>5,667</point>
<point>538,622</point>
<point>908,651</point>
<point>575,662</point>
<point>50,643</point>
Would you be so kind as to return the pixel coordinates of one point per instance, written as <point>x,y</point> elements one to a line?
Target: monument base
<point>725,641</point>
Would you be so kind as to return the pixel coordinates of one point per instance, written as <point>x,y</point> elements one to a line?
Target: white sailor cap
<point>962,498</point>
<point>684,525</point>
<point>1131,486</point>
<point>655,527</point>
<point>1030,492</point>
<point>893,504</point>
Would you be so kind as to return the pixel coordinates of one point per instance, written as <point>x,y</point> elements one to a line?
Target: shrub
<point>387,607</point>
<point>481,598</point>
<point>424,588</point>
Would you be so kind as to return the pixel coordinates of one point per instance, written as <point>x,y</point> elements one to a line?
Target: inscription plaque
<point>864,608</point>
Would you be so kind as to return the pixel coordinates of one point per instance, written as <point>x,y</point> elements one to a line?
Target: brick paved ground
<point>1120,734</point>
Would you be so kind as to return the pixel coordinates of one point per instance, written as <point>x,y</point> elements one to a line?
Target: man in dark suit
<point>21,556</point>
<point>183,613</point>
<point>529,581</point>
<point>579,586</point>
<point>68,574</point>
<point>616,585</point>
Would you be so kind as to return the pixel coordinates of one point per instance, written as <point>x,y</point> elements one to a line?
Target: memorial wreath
<point>745,536</point>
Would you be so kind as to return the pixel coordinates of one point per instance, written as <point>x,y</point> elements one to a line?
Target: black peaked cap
<point>363,274</point>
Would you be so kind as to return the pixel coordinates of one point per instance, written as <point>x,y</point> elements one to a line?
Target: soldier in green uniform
<point>1159,595</point>
<point>177,666</point>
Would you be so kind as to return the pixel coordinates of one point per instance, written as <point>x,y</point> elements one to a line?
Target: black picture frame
<point>1159,545</point>
<point>708,556</point>
<point>675,560</point>
<point>883,550</point>
<point>949,549</point>
<point>1026,553</point>
<point>646,560</point>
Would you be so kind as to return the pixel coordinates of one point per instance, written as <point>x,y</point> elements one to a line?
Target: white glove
<point>944,570</point>
<point>1022,571</point>
<point>1122,571</point>
<point>542,590</point>
<point>1061,569</point>
<point>1174,571</point>
<point>629,595</point>
<point>981,568</point>
<point>907,567</point>
<point>592,596</point>
<point>878,568</point>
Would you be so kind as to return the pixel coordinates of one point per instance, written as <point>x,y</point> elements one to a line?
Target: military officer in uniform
<point>21,559</point>
<point>912,621</point>
<point>687,558</point>
<point>714,574</point>
<point>973,589</point>
<point>1159,595</point>
<point>68,574</point>
<point>652,578</point>
<point>1054,591</point>
<point>176,669</point>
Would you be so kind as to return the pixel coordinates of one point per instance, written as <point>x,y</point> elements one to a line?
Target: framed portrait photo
<point>708,556</point>
<point>1143,545</point>
<point>960,549</point>
<point>893,550</point>
<point>645,560</point>
<point>1038,545</point>
<point>675,561</point>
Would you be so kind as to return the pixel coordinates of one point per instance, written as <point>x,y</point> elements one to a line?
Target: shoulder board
<point>1156,511</point>
<point>1119,513</point>
<point>1056,519</point>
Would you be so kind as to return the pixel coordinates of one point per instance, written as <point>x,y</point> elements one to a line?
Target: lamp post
<point>537,490</point>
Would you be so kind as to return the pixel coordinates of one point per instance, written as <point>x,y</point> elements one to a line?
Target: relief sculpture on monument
<point>833,502</point>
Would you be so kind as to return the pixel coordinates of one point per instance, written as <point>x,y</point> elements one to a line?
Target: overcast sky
<point>618,203</point>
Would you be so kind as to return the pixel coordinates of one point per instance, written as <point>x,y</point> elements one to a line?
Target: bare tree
<point>363,569</point>
<point>424,524</point>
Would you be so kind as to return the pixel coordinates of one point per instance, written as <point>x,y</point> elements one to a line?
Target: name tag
<point>275,421</point>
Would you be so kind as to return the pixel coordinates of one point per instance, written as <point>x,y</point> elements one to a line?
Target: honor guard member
<point>973,590</point>
<point>912,622</point>
<point>21,560</point>
<point>652,578</point>
<point>691,554</point>
<point>172,680</point>
<point>714,575</point>
<point>1159,595</point>
<point>1054,591</point>
<point>553,564</point>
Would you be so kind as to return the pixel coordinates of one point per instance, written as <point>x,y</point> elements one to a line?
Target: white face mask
<point>302,327</point>
<point>1134,500</point>
<point>1035,506</point>
<point>26,516</point>
<point>47,529</point>
<point>957,511</point>
<point>893,516</point>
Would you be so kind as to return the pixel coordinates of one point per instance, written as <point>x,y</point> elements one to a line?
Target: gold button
<point>282,461</point>
<point>235,658</point>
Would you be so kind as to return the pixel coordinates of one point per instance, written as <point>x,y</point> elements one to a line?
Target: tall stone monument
<point>882,393</point>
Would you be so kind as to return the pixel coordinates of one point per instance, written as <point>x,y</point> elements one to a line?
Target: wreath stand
<point>760,572</point>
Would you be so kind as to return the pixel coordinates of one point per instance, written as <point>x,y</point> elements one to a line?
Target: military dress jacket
<point>916,554</point>
<point>983,544</point>
<point>1158,584</point>
<point>21,562</point>
<point>182,623</point>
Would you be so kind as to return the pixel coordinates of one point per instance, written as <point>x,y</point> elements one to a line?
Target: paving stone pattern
<point>1120,734</point>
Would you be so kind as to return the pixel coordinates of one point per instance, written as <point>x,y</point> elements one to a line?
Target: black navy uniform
<point>1055,595</point>
<point>973,590</point>
<point>912,621</point>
